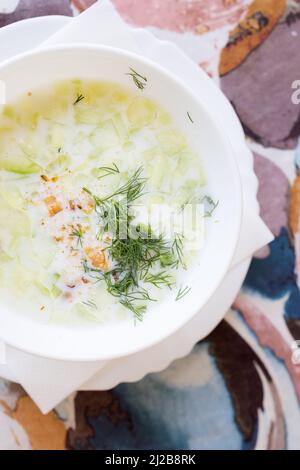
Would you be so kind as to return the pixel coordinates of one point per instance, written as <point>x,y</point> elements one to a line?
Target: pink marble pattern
<point>182,15</point>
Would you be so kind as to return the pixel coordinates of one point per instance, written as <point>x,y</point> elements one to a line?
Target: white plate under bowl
<point>30,33</point>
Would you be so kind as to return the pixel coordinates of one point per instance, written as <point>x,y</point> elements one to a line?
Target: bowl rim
<point>235,173</point>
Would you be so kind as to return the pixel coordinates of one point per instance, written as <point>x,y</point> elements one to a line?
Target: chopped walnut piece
<point>72,205</point>
<point>107,238</point>
<point>53,205</point>
<point>97,258</point>
<point>88,204</point>
<point>89,207</point>
<point>67,296</point>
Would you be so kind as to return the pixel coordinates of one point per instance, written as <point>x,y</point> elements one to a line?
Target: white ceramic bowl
<point>98,342</point>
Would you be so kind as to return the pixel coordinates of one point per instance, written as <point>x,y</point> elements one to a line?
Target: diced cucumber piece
<point>141,112</point>
<point>172,141</point>
<point>120,127</point>
<point>57,135</point>
<point>87,115</point>
<point>105,136</point>
<point>60,163</point>
<point>19,164</point>
<point>55,291</point>
<point>43,289</point>
<point>11,195</point>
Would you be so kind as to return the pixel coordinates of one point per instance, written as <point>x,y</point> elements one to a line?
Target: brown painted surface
<point>89,405</point>
<point>262,17</point>
<point>45,432</point>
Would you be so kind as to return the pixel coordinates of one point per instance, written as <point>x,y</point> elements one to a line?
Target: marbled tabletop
<point>240,388</point>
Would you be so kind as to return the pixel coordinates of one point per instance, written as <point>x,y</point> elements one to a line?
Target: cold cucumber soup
<point>77,160</point>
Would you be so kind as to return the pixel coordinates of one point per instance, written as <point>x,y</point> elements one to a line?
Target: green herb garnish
<point>190,118</point>
<point>182,293</point>
<point>138,79</point>
<point>78,99</point>
<point>107,171</point>
<point>91,304</point>
<point>177,249</point>
<point>78,233</point>
<point>161,279</point>
<point>138,310</point>
<point>211,205</point>
<point>134,251</point>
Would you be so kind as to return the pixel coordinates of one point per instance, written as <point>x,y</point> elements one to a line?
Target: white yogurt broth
<point>55,146</point>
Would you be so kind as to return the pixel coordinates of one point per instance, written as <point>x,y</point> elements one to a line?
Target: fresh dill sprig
<point>161,279</point>
<point>133,258</point>
<point>86,267</point>
<point>138,310</point>
<point>91,304</point>
<point>182,293</point>
<point>125,289</point>
<point>168,260</point>
<point>132,190</point>
<point>79,98</point>
<point>177,249</point>
<point>136,252</point>
<point>190,117</point>
<point>106,170</point>
<point>119,284</point>
<point>211,205</point>
<point>140,295</point>
<point>78,233</point>
<point>138,79</point>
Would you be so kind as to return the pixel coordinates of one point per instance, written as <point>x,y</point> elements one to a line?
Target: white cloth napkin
<point>47,381</point>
